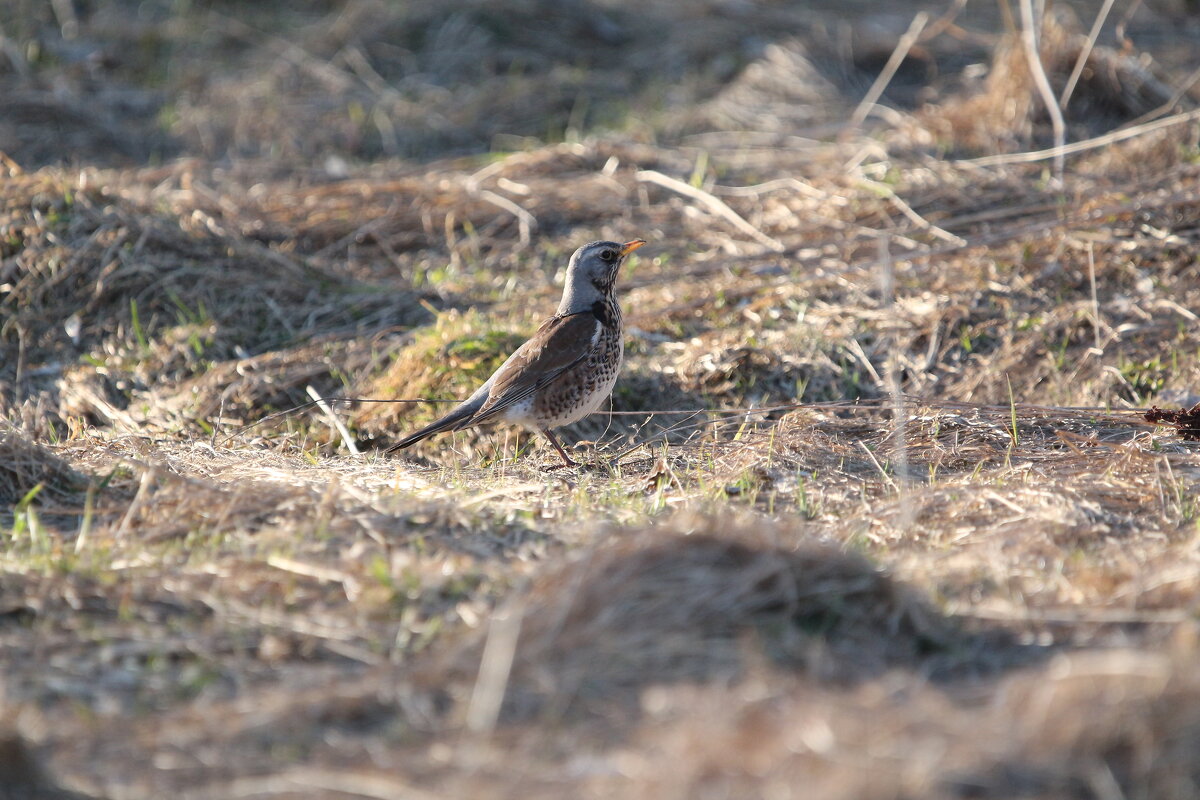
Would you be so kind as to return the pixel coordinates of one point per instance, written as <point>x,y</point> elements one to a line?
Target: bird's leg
<point>567,459</point>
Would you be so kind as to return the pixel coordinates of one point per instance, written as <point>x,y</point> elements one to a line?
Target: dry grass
<point>652,608</point>
<point>1081,727</point>
<point>774,576</point>
<point>1004,113</point>
<point>27,466</point>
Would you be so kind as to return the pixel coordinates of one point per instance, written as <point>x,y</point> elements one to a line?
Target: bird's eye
<point>608,254</point>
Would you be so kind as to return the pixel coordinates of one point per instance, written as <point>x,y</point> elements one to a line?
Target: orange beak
<point>629,247</point>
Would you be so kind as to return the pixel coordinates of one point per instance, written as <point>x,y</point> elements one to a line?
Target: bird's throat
<point>607,312</point>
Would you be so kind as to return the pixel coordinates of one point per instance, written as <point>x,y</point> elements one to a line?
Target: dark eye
<point>608,254</point>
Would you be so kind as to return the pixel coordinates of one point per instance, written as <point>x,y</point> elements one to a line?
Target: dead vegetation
<point>1185,421</point>
<point>1003,113</point>
<point>896,497</point>
<point>26,466</point>
<point>669,609</point>
<point>1084,725</point>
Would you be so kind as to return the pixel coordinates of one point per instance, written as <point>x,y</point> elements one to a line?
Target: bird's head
<point>596,265</point>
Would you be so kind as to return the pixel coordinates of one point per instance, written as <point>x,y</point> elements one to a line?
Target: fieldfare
<point>567,369</point>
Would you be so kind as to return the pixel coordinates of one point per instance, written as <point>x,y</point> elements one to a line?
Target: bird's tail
<point>452,421</point>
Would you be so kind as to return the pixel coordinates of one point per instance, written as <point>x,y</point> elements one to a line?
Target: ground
<point>896,496</point>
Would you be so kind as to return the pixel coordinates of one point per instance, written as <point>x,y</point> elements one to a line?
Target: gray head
<point>592,272</point>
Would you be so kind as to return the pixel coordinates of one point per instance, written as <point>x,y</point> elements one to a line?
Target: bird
<point>567,369</point>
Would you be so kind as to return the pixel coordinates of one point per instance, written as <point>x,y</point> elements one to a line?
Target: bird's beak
<point>629,247</point>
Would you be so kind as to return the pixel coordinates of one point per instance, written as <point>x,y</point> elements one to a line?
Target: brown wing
<point>559,344</point>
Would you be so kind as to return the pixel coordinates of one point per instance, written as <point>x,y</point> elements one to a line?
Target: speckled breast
<point>582,390</point>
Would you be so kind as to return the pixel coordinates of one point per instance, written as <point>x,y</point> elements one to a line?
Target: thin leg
<point>546,432</point>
